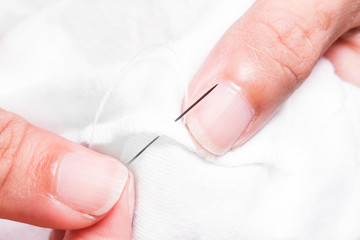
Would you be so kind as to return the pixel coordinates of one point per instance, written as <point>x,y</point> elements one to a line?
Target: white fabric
<point>83,69</point>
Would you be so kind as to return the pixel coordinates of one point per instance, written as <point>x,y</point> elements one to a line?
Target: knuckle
<point>295,44</point>
<point>286,39</point>
<point>12,133</point>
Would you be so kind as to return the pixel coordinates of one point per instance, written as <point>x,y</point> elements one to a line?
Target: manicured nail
<point>218,121</point>
<point>89,182</point>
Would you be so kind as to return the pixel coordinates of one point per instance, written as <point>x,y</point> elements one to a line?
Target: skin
<point>271,50</point>
<point>268,52</point>
<point>29,155</point>
<point>345,55</point>
<point>115,225</point>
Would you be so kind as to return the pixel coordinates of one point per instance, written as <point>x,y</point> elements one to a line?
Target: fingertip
<point>52,182</point>
<point>259,62</point>
<point>220,119</point>
<point>117,224</point>
<point>89,182</point>
<point>131,196</point>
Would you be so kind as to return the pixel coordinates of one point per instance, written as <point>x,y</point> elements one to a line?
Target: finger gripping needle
<point>178,118</point>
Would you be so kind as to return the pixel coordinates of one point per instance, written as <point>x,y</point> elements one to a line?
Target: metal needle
<point>178,118</point>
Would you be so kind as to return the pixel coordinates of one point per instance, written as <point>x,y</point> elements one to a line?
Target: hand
<point>262,59</point>
<point>48,181</point>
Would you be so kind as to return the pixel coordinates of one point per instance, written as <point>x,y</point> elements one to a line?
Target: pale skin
<point>266,54</point>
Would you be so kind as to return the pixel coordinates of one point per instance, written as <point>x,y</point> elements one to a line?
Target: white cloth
<point>298,178</point>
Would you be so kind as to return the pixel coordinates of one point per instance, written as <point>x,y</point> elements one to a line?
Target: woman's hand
<point>48,181</point>
<point>263,58</point>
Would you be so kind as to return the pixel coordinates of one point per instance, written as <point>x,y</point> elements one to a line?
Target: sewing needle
<point>178,118</point>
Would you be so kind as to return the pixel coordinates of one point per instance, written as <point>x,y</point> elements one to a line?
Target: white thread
<point>120,76</point>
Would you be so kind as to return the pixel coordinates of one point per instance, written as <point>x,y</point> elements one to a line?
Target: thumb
<point>48,181</point>
<point>258,63</point>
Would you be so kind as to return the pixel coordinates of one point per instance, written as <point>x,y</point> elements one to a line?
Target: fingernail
<point>89,182</point>
<point>131,197</point>
<point>218,121</point>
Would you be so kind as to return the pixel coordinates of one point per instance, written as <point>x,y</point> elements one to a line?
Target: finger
<point>51,182</point>
<point>258,63</point>
<point>116,225</point>
<point>345,56</point>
